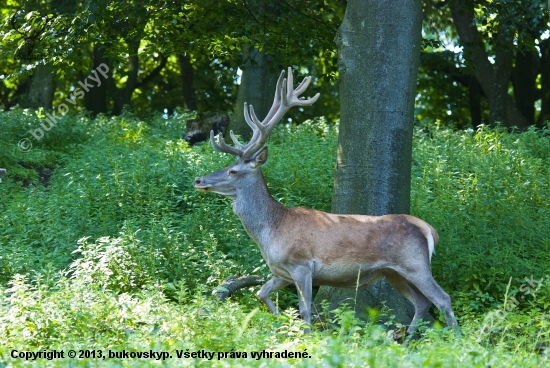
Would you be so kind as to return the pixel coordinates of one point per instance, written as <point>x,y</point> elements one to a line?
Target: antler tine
<point>306,102</point>
<point>236,141</point>
<point>253,122</point>
<point>303,86</point>
<point>223,147</point>
<point>300,89</point>
<point>277,98</point>
<point>250,119</point>
<point>294,95</point>
<point>289,82</point>
<point>254,119</point>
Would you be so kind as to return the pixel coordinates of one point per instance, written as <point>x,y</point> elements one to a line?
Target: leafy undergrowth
<point>77,314</point>
<point>105,245</point>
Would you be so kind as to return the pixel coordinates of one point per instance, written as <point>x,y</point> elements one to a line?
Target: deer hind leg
<point>272,285</point>
<point>409,291</point>
<point>426,284</point>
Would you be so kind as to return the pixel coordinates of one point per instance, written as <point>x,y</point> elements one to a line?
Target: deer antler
<point>285,98</point>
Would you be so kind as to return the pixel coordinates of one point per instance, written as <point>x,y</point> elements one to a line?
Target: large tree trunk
<point>41,88</point>
<point>379,55</point>
<point>256,89</point>
<point>502,69</point>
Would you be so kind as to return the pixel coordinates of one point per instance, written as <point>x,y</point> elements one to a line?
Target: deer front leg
<point>272,285</point>
<point>302,279</point>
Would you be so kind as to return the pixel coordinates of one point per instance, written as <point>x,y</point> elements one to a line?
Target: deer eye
<point>233,172</point>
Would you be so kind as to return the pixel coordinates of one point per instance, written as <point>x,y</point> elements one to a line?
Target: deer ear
<point>259,158</point>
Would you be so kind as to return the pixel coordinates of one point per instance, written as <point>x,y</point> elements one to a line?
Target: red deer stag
<point>308,247</point>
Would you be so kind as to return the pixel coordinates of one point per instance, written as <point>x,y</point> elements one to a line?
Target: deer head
<point>252,156</point>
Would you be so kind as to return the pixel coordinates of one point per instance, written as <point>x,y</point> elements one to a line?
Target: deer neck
<point>258,211</point>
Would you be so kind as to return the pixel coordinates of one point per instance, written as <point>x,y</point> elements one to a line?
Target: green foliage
<point>448,88</point>
<point>486,194</point>
<point>211,33</point>
<point>523,20</point>
<point>116,250</point>
<point>443,95</point>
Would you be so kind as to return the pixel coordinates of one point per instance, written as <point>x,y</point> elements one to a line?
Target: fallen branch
<point>234,283</point>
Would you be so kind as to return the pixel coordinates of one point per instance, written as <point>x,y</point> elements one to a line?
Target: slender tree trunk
<point>524,78</point>
<point>257,89</point>
<point>95,100</point>
<point>501,79</point>
<point>474,92</point>
<point>186,71</point>
<point>41,88</point>
<point>42,84</point>
<point>379,55</point>
<point>123,96</point>
<point>545,83</point>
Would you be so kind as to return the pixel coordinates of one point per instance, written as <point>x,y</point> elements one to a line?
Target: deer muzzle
<point>201,186</point>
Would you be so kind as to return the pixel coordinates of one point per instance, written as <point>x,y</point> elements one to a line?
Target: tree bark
<point>545,83</point>
<point>95,100</point>
<point>378,62</point>
<point>41,88</point>
<point>501,79</point>
<point>494,81</point>
<point>379,55</point>
<point>257,88</point>
<point>186,71</point>
<point>474,95</point>
<point>524,78</point>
